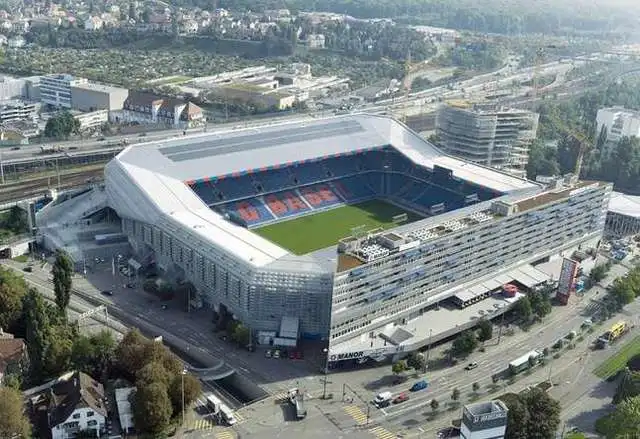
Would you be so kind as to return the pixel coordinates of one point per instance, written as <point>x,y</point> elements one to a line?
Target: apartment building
<point>490,136</point>
<point>18,110</point>
<point>616,123</point>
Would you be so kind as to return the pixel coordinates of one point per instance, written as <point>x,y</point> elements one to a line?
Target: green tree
<point>464,344</point>
<point>598,273</point>
<point>518,417</point>
<point>153,372</point>
<point>416,361</point>
<point>544,413</point>
<point>523,309</point>
<point>151,408</point>
<point>192,389</point>
<point>241,335</point>
<point>623,422</point>
<point>399,367</point>
<point>61,126</point>
<point>455,394</point>
<point>130,352</point>
<point>62,272</point>
<point>94,354</point>
<point>476,387</point>
<point>434,405</point>
<point>628,387</point>
<point>485,330</point>
<point>12,292</point>
<point>37,332</point>
<point>13,422</point>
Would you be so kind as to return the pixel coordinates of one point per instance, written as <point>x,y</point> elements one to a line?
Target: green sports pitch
<point>313,232</point>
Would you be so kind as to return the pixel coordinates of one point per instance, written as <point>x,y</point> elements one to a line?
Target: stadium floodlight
<point>399,219</point>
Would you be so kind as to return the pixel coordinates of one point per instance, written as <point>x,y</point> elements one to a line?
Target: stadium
<point>355,227</point>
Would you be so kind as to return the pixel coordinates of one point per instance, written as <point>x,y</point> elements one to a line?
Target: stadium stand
<point>263,196</point>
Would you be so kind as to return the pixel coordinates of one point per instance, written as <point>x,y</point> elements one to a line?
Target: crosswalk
<point>201,424</point>
<point>382,433</point>
<point>356,413</point>
<point>280,397</point>
<point>225,434</point>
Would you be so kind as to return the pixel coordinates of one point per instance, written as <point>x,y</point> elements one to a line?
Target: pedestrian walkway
<point>200,424</point>
<point>225,434</point>
<point>382,433</point>
<point>357,414</point>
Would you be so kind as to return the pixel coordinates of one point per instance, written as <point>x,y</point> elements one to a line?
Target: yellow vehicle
<point>617,330</point>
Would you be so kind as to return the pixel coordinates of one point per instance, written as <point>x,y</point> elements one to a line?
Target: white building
<point>315,41</point>
<point>70,404</point>
<point>623,215</point>
<point>484,420</point>
<point>18,110</point>
<point>55,90</point>
<point>618,123</point>
<point>16,42</point>
<point>11,88</point>
<point>124,409</point>
<point>93,119</point>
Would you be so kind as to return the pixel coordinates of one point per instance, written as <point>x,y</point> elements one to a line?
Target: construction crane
<point>584,141</point>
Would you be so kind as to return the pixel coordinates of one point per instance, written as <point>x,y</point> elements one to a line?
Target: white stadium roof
<point>627,205</point>
<point>147,182</point>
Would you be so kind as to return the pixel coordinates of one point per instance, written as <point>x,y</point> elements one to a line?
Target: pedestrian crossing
<point>281,397</point>
<point>225,434</point>
<point>356,414</point>
<point>200,424</point>
<point>382,433</point>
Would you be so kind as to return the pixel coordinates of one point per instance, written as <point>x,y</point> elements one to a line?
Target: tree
<point>464,344</point>
<point>153,372</point>
<point>94,354</point>
<point>192,389</point>
<point>485,330</point>
<point>13,422</point>
<point>598,273</point>
<point>623,422</point>
<point>12,291</point>
<point>532,414</point>
<point>629,386</point>
<point>130,352</point>
<point>455,394</point>
<point>434,405</point>
<point>241,335</point>
<point>523,309</point>
<point>151,408</point>
<point>61,126</point>
<point>518,417</point>
<point>37,332</point>
<point>399,367</point>
<point>62,272</point>
<point>475,386</point>
<point>416,361</point>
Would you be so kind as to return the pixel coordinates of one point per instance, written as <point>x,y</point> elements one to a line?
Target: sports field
<point>313,232</point>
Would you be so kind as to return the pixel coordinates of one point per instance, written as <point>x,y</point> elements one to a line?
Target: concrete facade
<point>91,97</point>
<point>484,420</point>
<point>617,122</point>
<point>55,90</point>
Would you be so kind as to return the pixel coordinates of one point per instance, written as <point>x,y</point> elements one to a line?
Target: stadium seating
<point>285,204</point>
<point>251,211</point>
<point>321,195</point>
<point>264,196</point>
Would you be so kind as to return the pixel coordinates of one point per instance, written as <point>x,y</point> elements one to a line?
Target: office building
<point>90,96</point>
<point>18,110</point>
<point>92,119</point>
<point>484,420</point>
<point>617,122</point>
<point>487,135</point>
<point>623,215</point>
<point>55,90</point>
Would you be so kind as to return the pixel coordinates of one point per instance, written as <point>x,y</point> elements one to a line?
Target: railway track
<point>15,191</point>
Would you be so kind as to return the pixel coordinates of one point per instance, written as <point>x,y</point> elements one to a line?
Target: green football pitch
<point>313,232</point>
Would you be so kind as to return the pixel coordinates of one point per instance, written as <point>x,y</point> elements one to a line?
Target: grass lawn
<point>618,361</point>
<point>314,232</point>
<point>21,258</point>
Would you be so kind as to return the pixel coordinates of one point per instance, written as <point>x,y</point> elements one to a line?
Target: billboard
<point>567,280</point>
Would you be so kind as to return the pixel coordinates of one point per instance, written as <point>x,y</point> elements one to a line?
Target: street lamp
<point>184,372</point>
<point>325,351</point>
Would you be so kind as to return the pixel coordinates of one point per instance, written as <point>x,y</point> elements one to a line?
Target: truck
<point>524,362</point>
<point>296,398</point>
<point>614,333</point>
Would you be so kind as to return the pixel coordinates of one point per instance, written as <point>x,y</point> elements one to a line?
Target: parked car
<point>420,385</point>
<point>401,398</point>
<point>276,353</point>
<point>382,398</point>
<point>267,353</point>
<point>292,355</point>
<point>28,269</point>
<point>399,379</point>
<point>471,366</point>
<point>107,293</point>
<point>299,355</point>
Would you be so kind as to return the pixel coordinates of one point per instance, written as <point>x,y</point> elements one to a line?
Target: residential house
<point>63,407</point>
<point>189,26</point>
<point>93,23</point>
<point>315,41</point>
<point>13,355</point>
<point>147,108</point>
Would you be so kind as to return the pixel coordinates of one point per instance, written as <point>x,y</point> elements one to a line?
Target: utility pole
<point>184,372</point>
<point>501,326</point>
<point>426,361</point>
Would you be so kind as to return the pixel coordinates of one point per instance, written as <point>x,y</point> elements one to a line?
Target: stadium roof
<point>147,182</point>
<point>627,205</point>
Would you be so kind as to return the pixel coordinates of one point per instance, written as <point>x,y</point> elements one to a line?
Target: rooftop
<point>485,408</point>
<point>623,204</point>
<point>93,86</point>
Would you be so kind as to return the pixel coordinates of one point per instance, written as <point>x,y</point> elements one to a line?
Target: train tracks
<point>32,187</point>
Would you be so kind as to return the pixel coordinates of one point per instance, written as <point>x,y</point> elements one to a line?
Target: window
<point>92,423</point>
<point>76,416</point>
<point>90,414</point>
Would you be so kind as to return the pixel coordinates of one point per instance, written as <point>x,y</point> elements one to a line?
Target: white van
<point>382,398</point>
<point>227,415</point>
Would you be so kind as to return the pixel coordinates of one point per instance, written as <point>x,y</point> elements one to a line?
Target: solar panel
<point>211,148</point>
